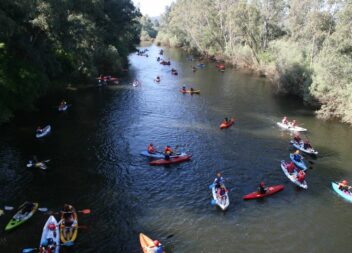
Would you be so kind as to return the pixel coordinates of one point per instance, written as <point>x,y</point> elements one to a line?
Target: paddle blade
<point>68,244</point>
<point>213,202</point>
<point>8,208</point>
<point>85,211</point>
<point>42,209</point>
<point>28,250</point>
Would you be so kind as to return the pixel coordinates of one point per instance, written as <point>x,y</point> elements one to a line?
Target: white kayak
<point>45,132</point>
<point>224,202</point>
<point>290,127</point>
<point>293,176</point>
<point>40,165</point>
<point>51,235</point>
<point>300,146</point>
<point>62,108</point>
<point>299,164</point>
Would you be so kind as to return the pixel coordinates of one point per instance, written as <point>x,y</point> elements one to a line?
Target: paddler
<point>68,220</point>
<point>157,79</point>
<point>222,191</point>
<point>167,152</point>
<point>192,90</point>
<point>343,185</point>
<point>226,120</point>
<point>297,157</point>
<point>301,176</point>
<point>262,188</point>
<point>290,167</point>
<point>294,123</point>
<point>284,120</point>
<point>39,130</point>
<point>151,149</point>
<point>219,180</point>
<point>184,88</point>
<point>158,247</point>
<point>297,138</point>
<point>194,69</point>
<point>306,145</point>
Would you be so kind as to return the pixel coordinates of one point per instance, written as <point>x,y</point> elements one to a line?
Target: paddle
<point>84,211</point>
<point>68,244</point>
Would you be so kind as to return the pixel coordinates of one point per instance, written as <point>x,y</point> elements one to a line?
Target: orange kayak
<point>227,124</point>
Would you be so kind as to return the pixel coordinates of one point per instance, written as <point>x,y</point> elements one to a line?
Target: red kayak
<point>228,124</point>
<point>178,159</point>
<point>269,191</point>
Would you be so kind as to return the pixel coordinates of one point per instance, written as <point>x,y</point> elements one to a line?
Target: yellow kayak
<point>146,243</point>
<point>71,233</point>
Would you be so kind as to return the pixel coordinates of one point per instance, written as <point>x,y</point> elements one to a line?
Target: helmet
<point>156,243</point>
<point>51,226</point>
<point>345,182</point>
<point>45,243</point>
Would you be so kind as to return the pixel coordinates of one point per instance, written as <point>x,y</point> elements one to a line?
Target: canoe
<point>62,108</point>
<point>178,159</point>
<point>269,191</point>
<point>70,236</point>
<point>227,125</point>
<point>344,194</point>
<point>22,215</point>
<point>45,132</point>
<point>160,155</point>
<point>293,176</point>
<point>300,164</point>
<point>300,146</point>
<point>190,92</point>
<point>222,203</point>
<point>51,231</point>
<point>147,244</point>
<point>291,128</point>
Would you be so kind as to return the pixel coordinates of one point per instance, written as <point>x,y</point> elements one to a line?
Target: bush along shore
<point>46,44</point>
<point>304,46</point>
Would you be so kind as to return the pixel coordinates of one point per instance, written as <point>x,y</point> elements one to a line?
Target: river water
<point>95,163</point>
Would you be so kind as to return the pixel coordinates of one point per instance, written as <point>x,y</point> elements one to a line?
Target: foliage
<point>47,41</point>
<point>149,28</point>
<point>308,43</point>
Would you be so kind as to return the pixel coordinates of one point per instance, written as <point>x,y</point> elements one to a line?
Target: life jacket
<point>167,150</point>
<point>290,167</point>
<point>301,176</point>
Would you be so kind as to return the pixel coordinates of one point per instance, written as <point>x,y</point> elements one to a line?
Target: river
<point>95,163</point>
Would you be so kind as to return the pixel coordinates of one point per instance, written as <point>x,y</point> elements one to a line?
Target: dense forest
<point>149,27</point>
<point>305,46</point>
<point>46,43</point>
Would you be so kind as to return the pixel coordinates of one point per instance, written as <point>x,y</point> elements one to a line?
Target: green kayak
<point>24,213</point>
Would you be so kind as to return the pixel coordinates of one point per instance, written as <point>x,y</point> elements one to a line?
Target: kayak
<point>228,124</point>
<point>178,159</point>
<point>300,146</point>
<point>291,128</point>
<point>40,165</point>
<point>190,92</point>
<point>222,203</point>
<point>24,213</point>
<point>160,155</point>
<point>71,232</point>
<point>293,176</point>
<point>146,243</point>
<point>106,78</point>
<point>269,191</point>
<point>346,195</point>
<point>300,164</point>
<point>62,108</point>
<point>51,231</point>
<point>45,132</point>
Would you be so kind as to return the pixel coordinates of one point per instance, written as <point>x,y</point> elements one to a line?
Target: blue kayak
<point>344,194</point>
<point>300,164</point>
<point>159,155</point>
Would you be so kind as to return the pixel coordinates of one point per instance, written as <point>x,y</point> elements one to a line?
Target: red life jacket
<point>151,149</point>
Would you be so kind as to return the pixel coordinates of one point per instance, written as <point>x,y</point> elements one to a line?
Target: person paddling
<point>297,157</point>
<point>226,120</point>
<point>301,176</point>
<point>151,149</point>
<point>68,220</point>
<point>39,130</point>
<point>262,188</point>
<point>297,138</point>
<point>158,247</point>
<point>184,88</point>
<point>218,181</point>
<point>290,167</point>
<point>284,120</point>
<point>167,152</point>
<point>343,186</point>
<point>222,192</point>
